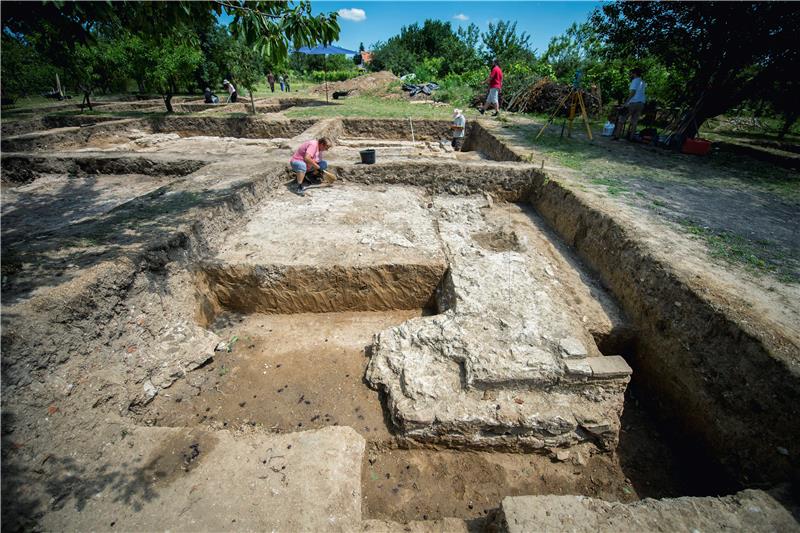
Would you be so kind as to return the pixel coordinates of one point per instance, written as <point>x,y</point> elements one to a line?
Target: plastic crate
<point>696,146</point>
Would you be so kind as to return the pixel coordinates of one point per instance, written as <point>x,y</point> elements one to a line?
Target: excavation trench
<point>298,311</point>
<point>301,289</point>
<point>314,299</point>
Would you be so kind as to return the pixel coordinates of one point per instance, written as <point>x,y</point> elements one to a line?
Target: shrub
<point>459,89</point>
<point>319,76</point>
<point>429,69</point>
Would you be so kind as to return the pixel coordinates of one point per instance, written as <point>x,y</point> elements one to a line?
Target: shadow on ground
<point>747,211</point>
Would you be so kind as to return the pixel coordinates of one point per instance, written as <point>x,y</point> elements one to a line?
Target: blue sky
<point>542,20</point>
<point>381,20</point>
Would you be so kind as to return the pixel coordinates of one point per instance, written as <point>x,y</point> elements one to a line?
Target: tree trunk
<point>168,102</point>
<point>789,118</point>
<point>252,100</point>
<point>140,85</point>
<point>709,104</point>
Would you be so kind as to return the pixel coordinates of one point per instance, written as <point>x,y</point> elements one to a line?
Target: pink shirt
<point>310,148</point>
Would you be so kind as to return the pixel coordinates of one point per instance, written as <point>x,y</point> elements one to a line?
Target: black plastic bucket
<point>368,156</point>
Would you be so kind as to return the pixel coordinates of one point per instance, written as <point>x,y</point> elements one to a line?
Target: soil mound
<point>371,82</point>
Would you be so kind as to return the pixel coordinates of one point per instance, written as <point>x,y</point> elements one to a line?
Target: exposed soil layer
<point>407,130</point>
<point>284,373</point>
<point>20,168</point>
<point>51,121</point>
<point>289,373</point>
<point>270,289</point>
<point>714,373</point>
<point>506,181</point>
<point>248,127</point>
<point>479,138</point>
<point>58,200</point>
<point>71,137</point>
<point>98,321</point>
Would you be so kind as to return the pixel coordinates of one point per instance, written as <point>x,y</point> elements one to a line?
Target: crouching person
<point>307,163</point>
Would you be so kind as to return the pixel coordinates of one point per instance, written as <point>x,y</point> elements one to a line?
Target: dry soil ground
<point>186,342</point>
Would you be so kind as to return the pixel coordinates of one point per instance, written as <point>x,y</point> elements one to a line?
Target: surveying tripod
<point>575,98</point>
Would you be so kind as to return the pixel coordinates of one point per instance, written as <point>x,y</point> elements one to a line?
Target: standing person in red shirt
<point>495,81</point>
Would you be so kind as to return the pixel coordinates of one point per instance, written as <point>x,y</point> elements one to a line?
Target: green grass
<point>614,186</point>
<point>758,257</point>
<point>34,102</point>
<point>571,153</point>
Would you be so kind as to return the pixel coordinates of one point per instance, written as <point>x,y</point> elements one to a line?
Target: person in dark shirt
<point>210,98</point>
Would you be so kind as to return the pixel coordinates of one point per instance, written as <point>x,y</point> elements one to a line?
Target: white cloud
<point>461,16</point>
<point>354,14</point>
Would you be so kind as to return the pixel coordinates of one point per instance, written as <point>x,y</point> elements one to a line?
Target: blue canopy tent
<point>325,50</point>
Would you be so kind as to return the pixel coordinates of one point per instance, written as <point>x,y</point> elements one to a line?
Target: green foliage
<point>332,75</point>
<point>406,52</point>
<point>305,63</point>
<point>719,54</point>
<point>579,47</point>
<point>501,41</point>
<point>459,89</point>
<point>394,57</point>
<point>158,38</point>
<point>24,70</point>
<point>215,43</point>
<point>429,69</point>
<point>518,75</point>
<point>246,67</point>
<point>270,27</point>
<point>172,63</point>
<point>135,53</point>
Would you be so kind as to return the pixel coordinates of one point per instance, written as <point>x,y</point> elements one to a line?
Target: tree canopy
<point>720,54</point>
<point>73,36</point>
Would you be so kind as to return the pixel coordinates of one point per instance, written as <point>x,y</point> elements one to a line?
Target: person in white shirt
<point>232,94</point>
<point>459,126</point>
<point>633,106</point>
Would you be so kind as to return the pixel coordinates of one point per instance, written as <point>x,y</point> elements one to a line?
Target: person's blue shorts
<point>300,166</point>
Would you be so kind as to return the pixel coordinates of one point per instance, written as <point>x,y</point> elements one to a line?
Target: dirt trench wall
<point>396,129</point>
<point>52,121</point>
<point>509,182</point>
<point>717,380</point>
<point>329,127</point>
<point>250,127</point>
<point>307,289</point>
<point>68,317</point>
<point>20,169</point>
<point>71,136</point>
<point>482,140</point>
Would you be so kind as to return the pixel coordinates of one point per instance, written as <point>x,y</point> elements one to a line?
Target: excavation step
<point>345,248</point>
<point>749,510</point>
<point>177,479</point>
<point>510,362</point>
